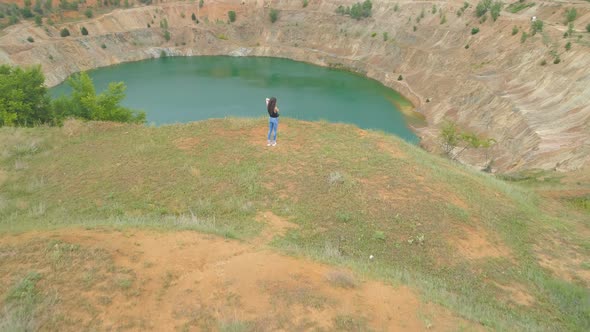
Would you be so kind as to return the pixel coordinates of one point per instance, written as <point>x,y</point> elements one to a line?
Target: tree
<point>193,17</point>
<point>400,78</point>
<point>454,142</point>
<point>38,20</point>
<point>231,15</point>
<point>86,104</point>
<point>274,15</point>
<point>167,35</point>
<point>84,31</point>
<point>568,46</point>
<point>305,3</point>
<point>474,31</point>
<point>495,10</point>
<point>88,13</point>
<point>570,15</point>
<point>201,3</point>
<point>536,26</point>
<point>30,39</point>
<point>482,7</point>
<point>38,7</point>
<point>64,32</point>
<point>588,27</point>
<point>23,96</point>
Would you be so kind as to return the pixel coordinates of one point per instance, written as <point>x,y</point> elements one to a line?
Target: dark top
<point>273,114</point>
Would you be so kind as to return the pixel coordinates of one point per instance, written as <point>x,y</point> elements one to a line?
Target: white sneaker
<point>274,143</point>
<point>268,143</point>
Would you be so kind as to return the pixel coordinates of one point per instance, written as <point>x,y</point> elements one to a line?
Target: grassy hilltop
<point>498,254</point>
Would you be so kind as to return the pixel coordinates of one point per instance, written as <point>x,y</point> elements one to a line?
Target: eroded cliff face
<point>539,115</point>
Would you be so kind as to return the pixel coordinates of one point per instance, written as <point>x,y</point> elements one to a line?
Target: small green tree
<point>536,26</point>
<point>396,7</point>
<point>482,7</point>
<point>64,32</point>
<point>385,36</point>
<point>88,12</point>
<point>570,15</point>
<point>167,35</point>
<point>514,30</point>
<point>305,3</point>
<point>588,27</point>
<point>201,3</point>
<point>84,31</point>
<point>434,9</point>
<point>23,96</point>
<point>193,17</point>
<point>30,39</point>
<point>568,46</point>
<point>274,15</point>
<point>474,31</point>
<point>400,77</point>
<point>523,37</point>
<point>38,20</point>
<point>495,9</point>
<point>231,15</point>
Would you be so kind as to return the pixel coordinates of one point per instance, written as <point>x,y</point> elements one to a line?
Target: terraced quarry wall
<point>497,87</point>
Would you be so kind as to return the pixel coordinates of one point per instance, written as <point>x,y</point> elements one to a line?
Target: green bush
<point>568,46</point>
<point>496,9</point>
<point>400,78</point>
<point>84,31</point>
<point>64,32</point>
<point>482,7</point>
<point>305,3</point>
<point>474,31</point>
<point>84,103</point>
<point>385,36</point>
<point>514,30</point>
<point>103,46</point>
<point>38,20</point>
<point>588,27</point>
<point>373,34</point>
<point>201,3</point>
<point>167,35</point>
<point>536,26</point>
<point>556,60</point>
<point>467,46</point>
<point>571,14</point>
<point>193,17</point>
<point>274,15</point>
<point>357,10</point>
<point>24,99</point>
<point>30,39</point>
<point>88,13</point>
<point>231,15</point>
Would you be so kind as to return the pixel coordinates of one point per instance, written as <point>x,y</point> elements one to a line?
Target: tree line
<point>25,101</point>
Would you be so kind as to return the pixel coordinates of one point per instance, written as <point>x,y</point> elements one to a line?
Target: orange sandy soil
<point>149,280</point>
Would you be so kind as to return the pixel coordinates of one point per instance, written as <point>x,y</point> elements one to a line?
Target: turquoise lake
<point>183,89</point>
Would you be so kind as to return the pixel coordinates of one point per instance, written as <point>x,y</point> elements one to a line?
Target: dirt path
<point>191,281</point>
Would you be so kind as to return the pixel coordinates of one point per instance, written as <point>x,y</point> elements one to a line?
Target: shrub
<point>536,26</point>
<point>30,39</point>
<point>126,3</point>
<point>385,36</point>
<point>373,35</point>
<point>443,19</point>
<point>103,46</point>
<point>305,3</point>
<point>415,28</point>
<point>194,17</point>
<point>84,31</point>
<point>482,7</point>
<point>496,9</point>
<point>163,54</point>
<point>357,10</point>
<point>524,36</point>
<point>434,9</point>
<point>231,15</point>
<point>88,12</point>
<point>26,12</point>
<point>201,3</point>
<point>556,60</point>
<point>400,78</point>
<point>514,30</point>
<point>588,27</point>
<point>38,20</point>
<point>571,14</point>
<point>474,31</point>
<point>544,62</point>
<point>396,8</point>
<point>467,46</point>
<point>274,15</point>
<point>568,46</point>
<point>64,32</point>
<point>149,26</point>
<point>167,35</point>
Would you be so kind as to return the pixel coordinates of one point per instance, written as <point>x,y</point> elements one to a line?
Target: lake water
<point>184,89</point>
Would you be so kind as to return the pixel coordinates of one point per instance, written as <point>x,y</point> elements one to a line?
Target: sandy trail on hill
<point>192,281</point>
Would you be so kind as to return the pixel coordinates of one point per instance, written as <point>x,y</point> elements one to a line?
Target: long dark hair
<point>272,103</point>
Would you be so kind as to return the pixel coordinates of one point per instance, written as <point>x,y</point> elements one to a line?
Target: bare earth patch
<point>517,294</point>
<point>475,244</point>
<point>275,226</point>
<point>186,143</point>
<point>190,281</point>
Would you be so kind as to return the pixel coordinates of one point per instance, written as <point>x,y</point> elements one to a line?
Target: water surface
<point>184,89</point>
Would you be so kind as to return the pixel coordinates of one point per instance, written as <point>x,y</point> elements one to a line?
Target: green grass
<point>518,6</point>
<point>351,196</point>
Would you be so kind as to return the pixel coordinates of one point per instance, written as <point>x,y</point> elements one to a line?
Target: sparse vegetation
<point>543,62</point>
<point>474,30</point>
<point>231,15</point>
<point>515,7</point>
<point>305,3</point>
<point>83,31</point>
<point>357,11</point>
<point>103,46</point>
<point>193,17</point>
<point>455,142</point>
<point>524,37</point>
<point>588,27</point>
<point>514,30</point>
<point>88,12</point>
<point>568,46</point>
<point>167,35</point>
<point>38,20</point>
<point>385,36</point>
<point>30,39</point>
<point>201,3</point>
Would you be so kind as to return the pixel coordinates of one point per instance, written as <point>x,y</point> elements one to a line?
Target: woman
<point>273,121</point>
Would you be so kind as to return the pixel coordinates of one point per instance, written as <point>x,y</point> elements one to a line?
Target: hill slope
<point>493,252</point>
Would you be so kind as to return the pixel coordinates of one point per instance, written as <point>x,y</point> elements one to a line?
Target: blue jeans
<point>273,125</point>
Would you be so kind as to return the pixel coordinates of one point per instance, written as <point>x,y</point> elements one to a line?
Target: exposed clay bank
<point>540,116</point>
<point>184,89</point>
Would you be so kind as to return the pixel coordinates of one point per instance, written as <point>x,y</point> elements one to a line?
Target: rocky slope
<point>497,87</point>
